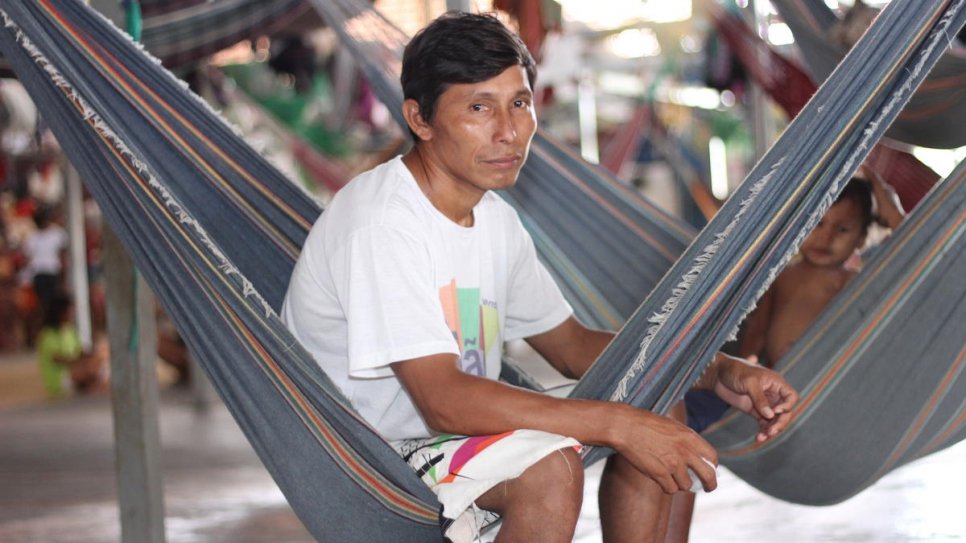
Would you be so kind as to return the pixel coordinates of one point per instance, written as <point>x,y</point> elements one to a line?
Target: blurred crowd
<point>39,306</point>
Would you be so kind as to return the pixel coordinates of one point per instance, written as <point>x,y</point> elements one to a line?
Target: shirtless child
<point>806,286</point>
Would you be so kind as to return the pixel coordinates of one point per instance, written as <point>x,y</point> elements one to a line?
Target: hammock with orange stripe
<point>215,230</point>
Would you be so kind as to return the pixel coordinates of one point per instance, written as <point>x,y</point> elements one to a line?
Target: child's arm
<point>890,212</point>
<point>755,327</point>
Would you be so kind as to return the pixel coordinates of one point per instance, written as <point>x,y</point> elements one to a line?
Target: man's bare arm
<point>766,396</point>
<point>571,347</point>
<point>455,402</point>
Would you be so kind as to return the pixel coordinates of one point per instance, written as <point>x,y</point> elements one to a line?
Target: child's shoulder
<point>799,279</point>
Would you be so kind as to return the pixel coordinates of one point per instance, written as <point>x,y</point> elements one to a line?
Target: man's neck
<point>451,199</point>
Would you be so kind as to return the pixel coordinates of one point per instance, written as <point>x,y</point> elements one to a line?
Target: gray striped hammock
<point>183,32</point>
<point>936,113</point>
<point>215,230</point>
<point>790,86</point>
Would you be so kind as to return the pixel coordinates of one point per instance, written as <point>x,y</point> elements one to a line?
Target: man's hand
<point>664,450</point>
<point>451,401</point>
<point>758,391</point>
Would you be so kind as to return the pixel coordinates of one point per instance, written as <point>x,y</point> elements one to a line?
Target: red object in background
<point>532,20</point>
<point>4,181</point>
<point>25,207</point>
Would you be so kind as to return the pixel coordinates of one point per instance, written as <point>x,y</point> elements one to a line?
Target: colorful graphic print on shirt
<point>474,323</point>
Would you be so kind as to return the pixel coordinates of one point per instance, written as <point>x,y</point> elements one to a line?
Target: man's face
<point>480,135</point>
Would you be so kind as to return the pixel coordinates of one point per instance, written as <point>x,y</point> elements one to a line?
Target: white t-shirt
<point>43,248</point>
<point>385,277</point>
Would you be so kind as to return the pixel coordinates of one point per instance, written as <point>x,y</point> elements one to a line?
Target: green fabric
<point>133,19</point>
<point>300,113</point>
<point>54,343</point>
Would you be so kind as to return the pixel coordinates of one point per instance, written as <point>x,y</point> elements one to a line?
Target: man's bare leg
<point>634,508</point>
<point>679,525</point>
<point>682,506</point>
<point>542,504</point>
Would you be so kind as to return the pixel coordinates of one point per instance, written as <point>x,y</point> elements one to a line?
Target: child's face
<point>838,235</point>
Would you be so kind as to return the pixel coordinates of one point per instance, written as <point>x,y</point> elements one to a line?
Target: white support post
<point>587,117</point>
<point>763,124</point>
<point>80,287</point>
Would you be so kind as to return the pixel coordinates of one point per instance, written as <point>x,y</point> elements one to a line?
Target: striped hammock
<point>215,231</point>
<point>790,87</point>
<point>936,113</point>
<point>184,32</point>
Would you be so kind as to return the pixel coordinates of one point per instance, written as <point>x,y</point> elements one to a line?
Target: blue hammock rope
<point>215,230</point>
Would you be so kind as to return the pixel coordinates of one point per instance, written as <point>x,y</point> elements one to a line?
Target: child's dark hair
<point>55,314</point>
<point>859,191</point>
<point>459,47</point>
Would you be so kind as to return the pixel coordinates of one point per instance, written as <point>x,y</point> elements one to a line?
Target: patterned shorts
<point>460,469</point>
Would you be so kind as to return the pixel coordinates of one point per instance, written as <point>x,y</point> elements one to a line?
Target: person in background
<point>64,366</point>
<point>45,252</point>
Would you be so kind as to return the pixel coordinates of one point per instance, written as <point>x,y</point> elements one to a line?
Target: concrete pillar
<point>134,386</point>
<point>587,117</point>
<point>203,393</point>
<point>134,395</point>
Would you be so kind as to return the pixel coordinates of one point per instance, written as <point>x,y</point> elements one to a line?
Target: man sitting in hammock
<point>416,274</point>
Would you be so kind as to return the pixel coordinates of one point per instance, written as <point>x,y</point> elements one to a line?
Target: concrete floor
<point>57,484</point>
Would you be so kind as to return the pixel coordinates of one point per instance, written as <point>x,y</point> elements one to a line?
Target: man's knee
<point>555,481</point>
<point>543,503</point>
<point>619,470</point>
<point>559,471</point>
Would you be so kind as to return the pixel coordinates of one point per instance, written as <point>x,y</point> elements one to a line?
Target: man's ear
<point>414,119</point>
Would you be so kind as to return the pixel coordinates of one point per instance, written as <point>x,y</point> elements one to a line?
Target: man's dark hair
<point>455,48</point>
<point>859,191</point>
